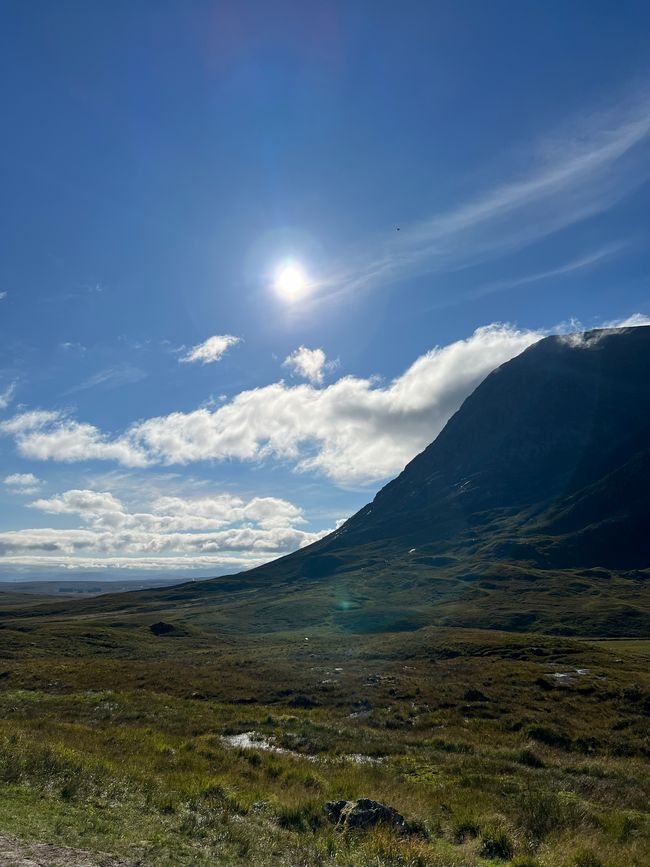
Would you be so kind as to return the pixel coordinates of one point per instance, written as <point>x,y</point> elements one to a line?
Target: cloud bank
<point>218,532</point>
<point>355,430</point>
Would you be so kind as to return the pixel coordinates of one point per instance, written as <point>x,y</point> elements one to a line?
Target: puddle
<point>255,741</point>
<point>251,741</point>
<point>569,676</point>
<point>360,759</point>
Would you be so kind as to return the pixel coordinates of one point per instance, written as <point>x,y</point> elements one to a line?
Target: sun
<point>291,281</point>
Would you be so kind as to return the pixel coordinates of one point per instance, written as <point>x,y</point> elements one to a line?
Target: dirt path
<point>14,853</point>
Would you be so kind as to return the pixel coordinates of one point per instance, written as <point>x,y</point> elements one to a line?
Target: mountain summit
<point>553,448</point>
<point>536,488</point>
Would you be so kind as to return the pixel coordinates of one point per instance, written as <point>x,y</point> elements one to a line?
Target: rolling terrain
<point>470,648</point>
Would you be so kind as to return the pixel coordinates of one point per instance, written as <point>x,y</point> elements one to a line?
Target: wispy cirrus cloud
<point>6,396</point>
<point>110,377</point>
<point>579,263</point>
<point>583,171</point>
<point>211,350</point>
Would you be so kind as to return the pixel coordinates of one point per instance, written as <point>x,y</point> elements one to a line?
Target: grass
<point>112,739</point>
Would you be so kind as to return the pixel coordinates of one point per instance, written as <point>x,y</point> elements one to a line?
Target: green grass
<point>112,739</point>
<point>623,646</point>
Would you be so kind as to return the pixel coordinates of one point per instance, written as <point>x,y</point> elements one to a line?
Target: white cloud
<point>91,505</point>
<point>7,395</point>
<point>210,564</point>
<point>355,430</point>
<point>309,363</point>
<point>219,531</point>
<point>51,435</point>
<point>210,350</point>
<point>633,321</point>
<point>23,483</point>
<point>268,512</point>
<point>27,422</point>
<point>3,295</point>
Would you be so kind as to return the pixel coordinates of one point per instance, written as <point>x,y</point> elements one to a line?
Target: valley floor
<point>204,747</point>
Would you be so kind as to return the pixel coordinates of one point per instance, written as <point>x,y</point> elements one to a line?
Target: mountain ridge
<point>528,511</point>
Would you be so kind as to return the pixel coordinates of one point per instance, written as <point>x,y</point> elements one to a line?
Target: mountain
<point>528,511</point>
<point>547,460</point>
<point>552,450</point>
<point>541,478</point>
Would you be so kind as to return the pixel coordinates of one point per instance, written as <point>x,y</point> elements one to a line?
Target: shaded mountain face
<point>546,463</point>
<point>528,512</point>
<point>555,443</point>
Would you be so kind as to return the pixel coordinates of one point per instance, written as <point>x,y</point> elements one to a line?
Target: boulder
<point>302,701</point>
<point>475,695</point>
<point>363,814</point>
<point>161,628</point>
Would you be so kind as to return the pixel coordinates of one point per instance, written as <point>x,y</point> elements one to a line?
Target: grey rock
<point>364,813</point>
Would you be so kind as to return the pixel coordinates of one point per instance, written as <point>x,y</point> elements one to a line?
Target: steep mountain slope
<point>529,511</point>
<point>558,439</point>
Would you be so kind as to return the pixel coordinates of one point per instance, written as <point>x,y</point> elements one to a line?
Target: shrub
<point>495,843</point>
<point>475,695</point>
<point>549,736</point>
<point>464,829</point>
<point>586,858</point>
<point>542,811</point>
<point>451,746</point>
<point>530,759</point>
<point>539,812</point>
<point>306,817</point>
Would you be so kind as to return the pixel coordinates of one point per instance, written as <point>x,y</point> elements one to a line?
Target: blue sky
<point>254,255</point>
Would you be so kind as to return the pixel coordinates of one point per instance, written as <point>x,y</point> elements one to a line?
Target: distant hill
<point>528,511</point>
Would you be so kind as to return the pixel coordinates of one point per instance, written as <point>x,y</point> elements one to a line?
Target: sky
<point>255,255</point>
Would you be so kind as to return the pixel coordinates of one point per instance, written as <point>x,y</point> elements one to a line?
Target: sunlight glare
<point>290,281</point>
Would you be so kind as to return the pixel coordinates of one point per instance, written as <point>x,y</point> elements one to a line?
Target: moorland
<point>472,649</point>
